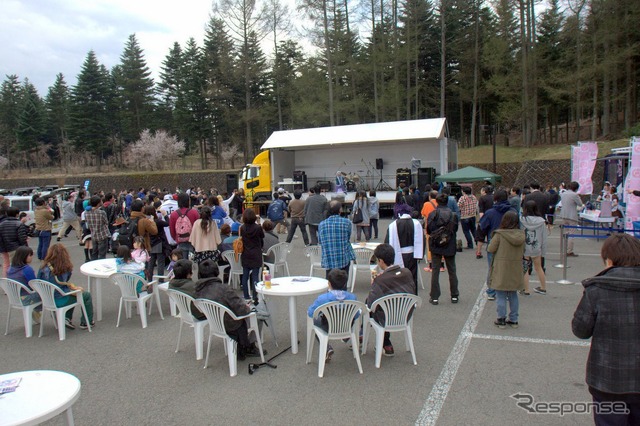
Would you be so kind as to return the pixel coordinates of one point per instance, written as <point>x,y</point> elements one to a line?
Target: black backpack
<point>127,232</point>
<point>443,234</point>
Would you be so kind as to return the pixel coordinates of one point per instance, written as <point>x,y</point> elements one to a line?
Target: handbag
<point>357,216</point>
<point>238,246</point>
<point>201,256</point>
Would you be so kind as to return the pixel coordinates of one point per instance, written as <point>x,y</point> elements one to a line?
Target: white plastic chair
<point>314,253</point>
<point>280,252</point>
<point>164,286</point>
<point>342,324</point>
<point>183,302</point>
<point>362,263</point>
<point>396,308</point>
<point>215,313</point>
<point>13,288</point>
<point>235,268</point>
<point>46,291</point>
<point>128,284</point>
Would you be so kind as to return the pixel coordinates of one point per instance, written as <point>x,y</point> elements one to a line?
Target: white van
<point>25,204</point>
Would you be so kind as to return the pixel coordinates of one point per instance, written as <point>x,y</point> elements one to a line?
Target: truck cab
<point>255,178</point>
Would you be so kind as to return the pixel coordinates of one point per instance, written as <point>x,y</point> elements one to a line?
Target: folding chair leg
<point>322,354</point>
<point>61,326</point>
<point>179,337</point>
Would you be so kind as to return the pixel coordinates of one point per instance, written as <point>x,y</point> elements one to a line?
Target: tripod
<point>382,184</point>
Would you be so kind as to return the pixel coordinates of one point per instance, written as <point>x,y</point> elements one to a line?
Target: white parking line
<point>533,340</point>
<point>433,405</point>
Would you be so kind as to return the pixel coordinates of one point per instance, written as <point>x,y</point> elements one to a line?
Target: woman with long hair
<point>252,236</point>
<point>609,314</point>
<point>57,269</point>
<point>205,237</point>
<point>362,203</point>
<point>21,271</point>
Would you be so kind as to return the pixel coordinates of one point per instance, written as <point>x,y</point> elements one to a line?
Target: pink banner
<point>633,183</point>
<point>583,163</point>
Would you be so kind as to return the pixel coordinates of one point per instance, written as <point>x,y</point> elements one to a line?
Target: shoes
<point>540,290</point>
<point>442,269</point>
<point>84,326</point>
<point>454,299</point>
<point>329,354</point>
<point>491,296</point>
<point>427,269</point>
<point>500,323</point>
<point>388,351</point>
<point>478,256</point>
<point>524,293</point>
<point>58,239</point>
<point>253,351</point>
<point>69,324</point>
<point>572,254</point>
<point>433,301</point>
<point>512,324</point>
<point>35,316</point>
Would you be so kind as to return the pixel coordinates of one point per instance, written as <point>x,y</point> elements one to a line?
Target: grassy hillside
<point>483,154</point>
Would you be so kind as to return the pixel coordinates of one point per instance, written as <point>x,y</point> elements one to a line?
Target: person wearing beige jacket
<point>43,217</point>
<point>205,237</point>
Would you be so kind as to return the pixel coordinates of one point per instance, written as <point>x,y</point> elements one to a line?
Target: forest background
<point>518,72</point>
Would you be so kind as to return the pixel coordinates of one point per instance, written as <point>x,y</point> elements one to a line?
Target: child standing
<point>139,253</point>
<point>506,277</point>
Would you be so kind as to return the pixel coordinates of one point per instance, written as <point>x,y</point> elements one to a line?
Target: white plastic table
<point>96,271</point>
<point>369,245</point>
<point>41,395</point>
<point>287,287</point>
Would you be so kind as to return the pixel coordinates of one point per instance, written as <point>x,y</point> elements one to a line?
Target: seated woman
<point>57,270</point>
<point>21,271</point>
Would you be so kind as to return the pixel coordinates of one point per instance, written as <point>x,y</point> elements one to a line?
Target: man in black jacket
<point>13,234</point>
<point>443,217</point>
<point>210,287</point>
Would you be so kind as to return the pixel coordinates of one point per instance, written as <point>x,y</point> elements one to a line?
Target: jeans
<point>295,223</point>
<point>610,419</point>
<point>490,291</point>
<point>313,234</point>
<point>186,248</point>
<point>43,244</point>
<point>501,304</point>
<point>360,230</point>
<point>450,261</point>
<point>99,249</point>
<point>468,227</point>
<point>251,280</point>
<point>373,228</point>
<point>158,258</point>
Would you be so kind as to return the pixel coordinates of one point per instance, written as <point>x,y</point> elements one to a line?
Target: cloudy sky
<point>40,38</point>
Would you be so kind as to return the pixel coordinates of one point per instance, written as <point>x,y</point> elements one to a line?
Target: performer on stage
<point>407,239</point>
<point>340,186</point>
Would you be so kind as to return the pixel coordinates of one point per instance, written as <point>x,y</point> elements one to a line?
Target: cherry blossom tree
<point>152,149</point>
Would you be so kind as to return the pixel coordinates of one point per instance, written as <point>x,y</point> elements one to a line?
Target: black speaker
<point>379,164</point>
<point>300,176</point>
<point>403,176</point>
<point>232,183</point>
<point>426,176</point>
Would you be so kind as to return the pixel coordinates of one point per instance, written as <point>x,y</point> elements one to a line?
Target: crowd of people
<point>148,228</point>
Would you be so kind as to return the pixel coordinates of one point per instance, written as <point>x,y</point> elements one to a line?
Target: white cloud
<point>44,37</point>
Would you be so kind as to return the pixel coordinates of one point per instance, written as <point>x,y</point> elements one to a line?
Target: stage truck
<point>342,160</point>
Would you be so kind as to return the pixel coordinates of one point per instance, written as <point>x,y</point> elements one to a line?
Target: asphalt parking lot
<point>467,368</point>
